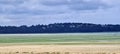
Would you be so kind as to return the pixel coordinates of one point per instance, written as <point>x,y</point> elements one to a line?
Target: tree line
<point>61,28</point>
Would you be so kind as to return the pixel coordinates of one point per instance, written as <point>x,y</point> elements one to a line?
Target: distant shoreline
<point>63,33</point>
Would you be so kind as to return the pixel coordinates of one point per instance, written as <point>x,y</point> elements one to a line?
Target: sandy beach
<point>61,49</point>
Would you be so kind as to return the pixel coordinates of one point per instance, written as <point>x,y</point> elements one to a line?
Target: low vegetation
<point>62,39</point>
<point>69,43</point>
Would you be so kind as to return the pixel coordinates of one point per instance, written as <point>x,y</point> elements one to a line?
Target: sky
<point>32,12</point>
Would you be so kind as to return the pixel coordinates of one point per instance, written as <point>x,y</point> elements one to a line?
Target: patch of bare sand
<point>83,49</point>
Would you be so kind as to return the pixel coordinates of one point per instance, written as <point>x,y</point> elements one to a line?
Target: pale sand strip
<point>63,48</point>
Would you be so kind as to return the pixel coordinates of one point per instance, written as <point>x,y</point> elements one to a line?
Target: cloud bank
<point>28,12</point>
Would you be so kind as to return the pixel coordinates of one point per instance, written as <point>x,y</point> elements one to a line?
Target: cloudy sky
<point>28,12</point>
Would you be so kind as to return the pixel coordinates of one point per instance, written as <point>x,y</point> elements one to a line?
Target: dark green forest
<point>61,28</point>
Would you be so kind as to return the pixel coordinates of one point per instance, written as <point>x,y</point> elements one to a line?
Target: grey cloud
<point>19,12</point>
<point>87,5</point>
<point>77,4</point>
<point>24,7</point>
<point>54,2</point>
<point>30,12</point>
<point>9,2</point>
<point>46,7</point>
